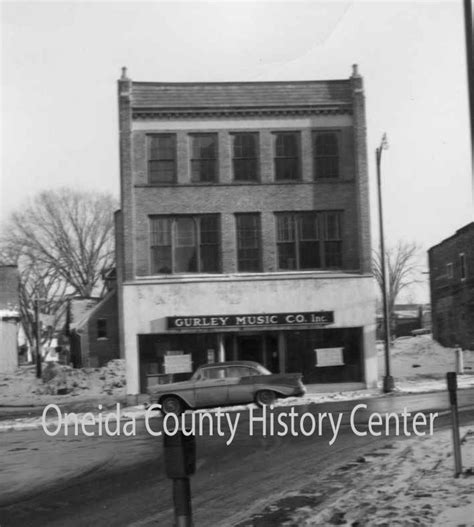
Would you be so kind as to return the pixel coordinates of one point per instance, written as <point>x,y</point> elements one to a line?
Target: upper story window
<point>185,244</point>
<point>204,158</point>
<point>462,263</point>
<point>287,156</point>
<point>248,242</point>
<point>162,158</point>
<point>326,154</point>
<point>449,270</point>
<point>245,156</point>
<point>309,240</point>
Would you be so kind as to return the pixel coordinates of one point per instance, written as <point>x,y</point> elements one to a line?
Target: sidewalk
<point>405,483</point>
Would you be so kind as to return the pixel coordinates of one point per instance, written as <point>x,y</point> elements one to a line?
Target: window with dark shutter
<point>161,158</point>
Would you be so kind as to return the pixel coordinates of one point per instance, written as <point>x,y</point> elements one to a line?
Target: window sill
<point>242,277</point>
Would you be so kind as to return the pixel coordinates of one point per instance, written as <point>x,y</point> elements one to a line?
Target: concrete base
<point>388,384</point>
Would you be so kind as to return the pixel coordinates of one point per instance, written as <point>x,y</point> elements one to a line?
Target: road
<point>82,481</point>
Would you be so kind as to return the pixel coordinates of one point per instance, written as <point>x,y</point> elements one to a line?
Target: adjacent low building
<point>451,265</point>
<point>244,229</point>
<point>92,330</point>
<point>9,318</point>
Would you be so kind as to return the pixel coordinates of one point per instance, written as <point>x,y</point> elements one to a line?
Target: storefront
<point>173,327</point>
<point>301,342</point>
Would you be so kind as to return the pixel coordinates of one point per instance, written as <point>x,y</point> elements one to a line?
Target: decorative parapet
<point>154,113</point>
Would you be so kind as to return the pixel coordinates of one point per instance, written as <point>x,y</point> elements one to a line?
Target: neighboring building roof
<point>78,310</point>
<point>8,314</point>
<point>86,315</point>
<point>462,230</point>
<point>9,282</point>
<point>406,310</point>
<point>234,95</point>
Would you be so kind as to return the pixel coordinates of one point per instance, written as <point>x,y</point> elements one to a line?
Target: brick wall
<point>452,299</point>
<point>349,193</point>
<point>9,287</point>
<point>361,171</point>
<point>126,182</point>
<point>227,198</point>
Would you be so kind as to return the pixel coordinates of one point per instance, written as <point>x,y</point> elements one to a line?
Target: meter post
<point>180,463</point>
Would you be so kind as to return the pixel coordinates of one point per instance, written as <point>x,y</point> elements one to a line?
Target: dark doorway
<point>250,348</point>
<point>259,348</point>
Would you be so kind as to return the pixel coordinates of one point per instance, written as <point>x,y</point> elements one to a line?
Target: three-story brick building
<point>244,229</point>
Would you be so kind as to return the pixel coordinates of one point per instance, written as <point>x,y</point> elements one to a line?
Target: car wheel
<point>265,398</point>
<point>172,405</point>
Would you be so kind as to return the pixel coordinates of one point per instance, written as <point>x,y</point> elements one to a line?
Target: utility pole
<point>388,383</point>
<point>38,337</point>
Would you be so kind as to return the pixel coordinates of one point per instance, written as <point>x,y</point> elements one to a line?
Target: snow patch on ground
<point>420,358</point>
<point>23,388</point>
<point>419,364</point>
<point>404,483</point>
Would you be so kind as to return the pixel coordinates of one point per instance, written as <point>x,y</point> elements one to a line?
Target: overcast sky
<point>60,63</point>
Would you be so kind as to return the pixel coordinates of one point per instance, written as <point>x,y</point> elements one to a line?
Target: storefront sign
<point>329,357</point>
<point>319,318</point>
<point>175,363</point>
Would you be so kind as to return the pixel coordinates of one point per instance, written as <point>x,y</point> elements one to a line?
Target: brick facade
<point>452,296</point>
<point>223,109</point>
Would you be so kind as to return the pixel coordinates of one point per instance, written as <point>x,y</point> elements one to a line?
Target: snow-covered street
<point>404,483</point>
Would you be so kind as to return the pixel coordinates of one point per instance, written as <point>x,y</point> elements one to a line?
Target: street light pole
<point>388,382</point>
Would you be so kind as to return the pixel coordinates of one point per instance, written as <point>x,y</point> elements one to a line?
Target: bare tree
<point>402,270</point>
<point>62,242</point>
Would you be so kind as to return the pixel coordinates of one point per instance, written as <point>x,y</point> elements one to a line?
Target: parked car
<point>226,384</point>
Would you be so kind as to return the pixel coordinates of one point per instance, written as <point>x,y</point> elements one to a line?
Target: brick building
<point>244,229</point>
<point>451,265</point>
<point>92,330</point>
<point>9,317</point>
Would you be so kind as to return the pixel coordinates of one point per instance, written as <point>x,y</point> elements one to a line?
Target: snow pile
<point>430,385</point>
<point>23,388</point>
<point>404,483</point>
<point>421,358</point>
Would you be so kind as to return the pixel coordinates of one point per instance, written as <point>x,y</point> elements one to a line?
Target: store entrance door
<point>259,348</point>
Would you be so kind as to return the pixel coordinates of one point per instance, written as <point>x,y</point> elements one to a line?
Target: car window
<point>214,373</point>
<point>231,372</point>
<point>260,370</point>
<point>255,371</point>
<point>198,375</point>
<point>239,371</point>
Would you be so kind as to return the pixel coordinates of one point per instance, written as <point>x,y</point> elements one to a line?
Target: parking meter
<point>180,463</point>
<point>180,454</point>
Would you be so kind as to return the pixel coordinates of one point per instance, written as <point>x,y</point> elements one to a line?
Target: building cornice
<point>199,113</point>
